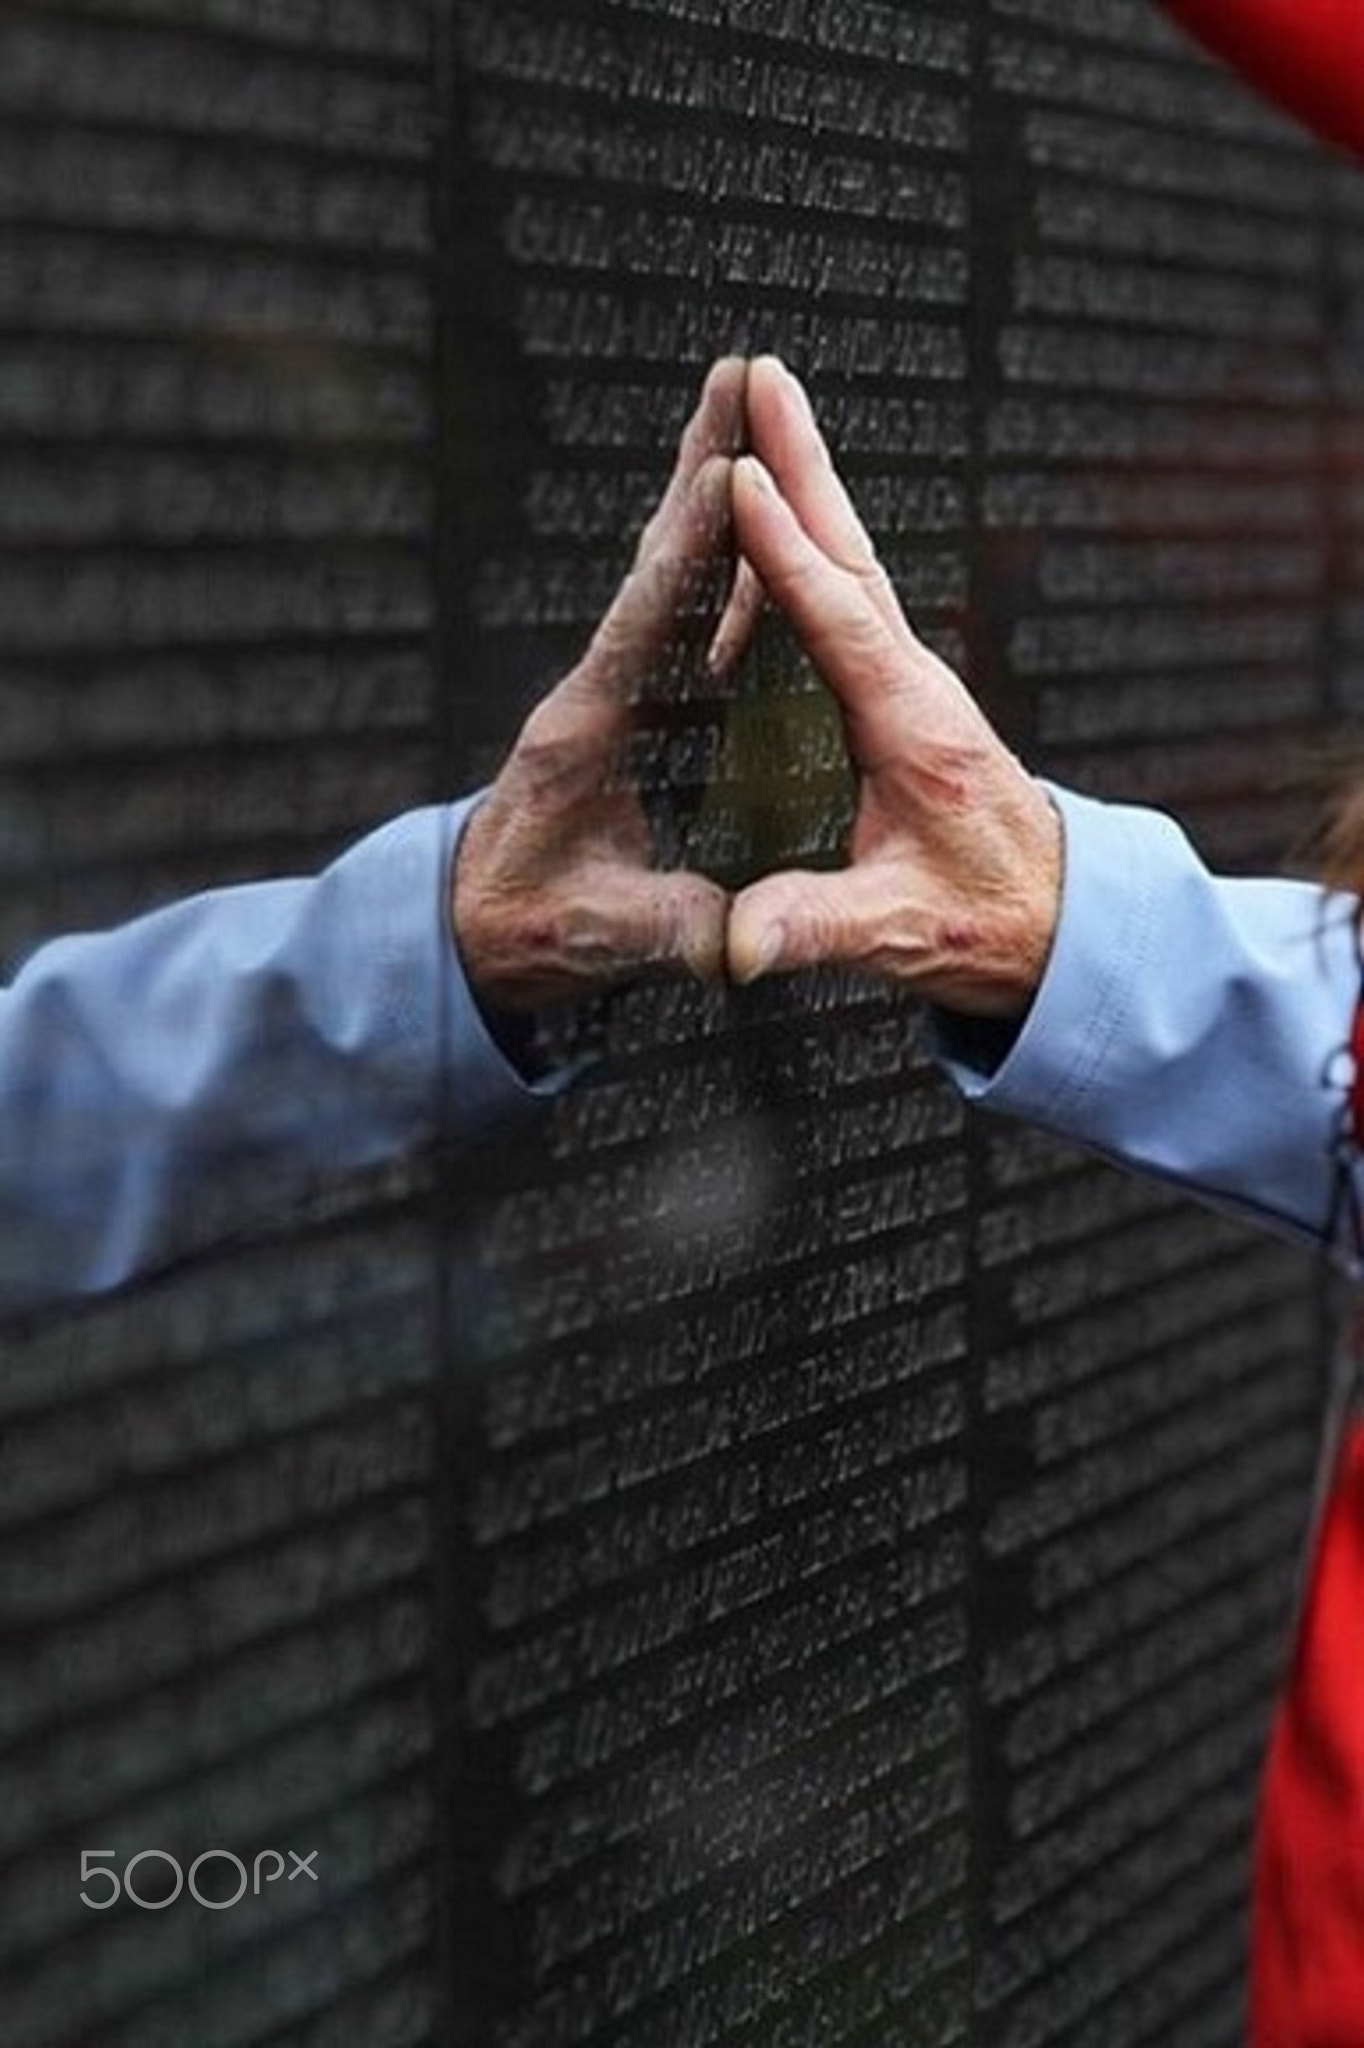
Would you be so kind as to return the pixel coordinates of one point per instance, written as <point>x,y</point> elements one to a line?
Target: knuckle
<point>591,942</point>
<point>818,927</point>
<point>872,574</point>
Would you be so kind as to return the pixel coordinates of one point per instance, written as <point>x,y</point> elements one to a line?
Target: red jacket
<point>1307,1941</point>
<point>1307,54</point>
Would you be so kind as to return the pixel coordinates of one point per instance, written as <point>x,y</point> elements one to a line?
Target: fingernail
<point>756,474</point>
<point>766,951</point>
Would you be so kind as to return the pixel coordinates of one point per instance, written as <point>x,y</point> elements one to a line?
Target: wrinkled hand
<point>555,891</point>
<point>953,879</point>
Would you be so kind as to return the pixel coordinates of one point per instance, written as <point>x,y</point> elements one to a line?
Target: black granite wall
<point>765,1560</point>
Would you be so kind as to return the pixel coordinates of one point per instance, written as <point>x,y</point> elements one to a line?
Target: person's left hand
<point>555,890</point>
<point>953,877</point>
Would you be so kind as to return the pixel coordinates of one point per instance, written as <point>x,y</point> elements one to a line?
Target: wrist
<point>997,945</point>
<point>471,932</point>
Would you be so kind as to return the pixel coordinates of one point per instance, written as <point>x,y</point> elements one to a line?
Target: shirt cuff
<point>1187,1025</point>
<point>424,1025</point>
<point>1044,1068</point>
<point>486,1081</point>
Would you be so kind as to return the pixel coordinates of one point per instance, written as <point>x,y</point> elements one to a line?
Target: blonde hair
<point>1340,846</point>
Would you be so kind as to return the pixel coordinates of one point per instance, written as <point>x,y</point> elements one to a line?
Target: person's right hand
<point>954,864</point>
<point>557,892</point>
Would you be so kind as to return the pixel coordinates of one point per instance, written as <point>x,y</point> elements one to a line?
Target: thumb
<point>663,922</point>
<point>799,919</point>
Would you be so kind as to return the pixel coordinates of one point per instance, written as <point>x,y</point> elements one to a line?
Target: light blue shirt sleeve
<point>206,1065</point>
<point>1189,1025</point>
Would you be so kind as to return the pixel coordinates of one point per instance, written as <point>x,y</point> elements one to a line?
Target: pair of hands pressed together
<point>952,878</point>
